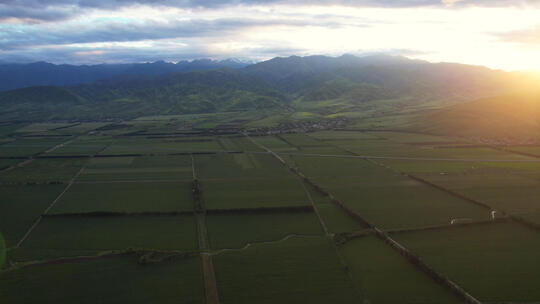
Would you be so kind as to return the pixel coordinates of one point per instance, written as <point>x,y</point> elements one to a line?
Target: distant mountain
<point>325,86</point>
<point>133,96</point>
<point>14,76</point>
<point>296,75</point>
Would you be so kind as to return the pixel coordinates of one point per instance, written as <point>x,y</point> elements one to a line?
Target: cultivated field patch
<point>237,230</point>
<point>231,166</point>
<point>176,167</point>
<point>507,192</point>
<point>253,193</point>
<point>107,280</point>
<point>284,271</point>
<point>21,205</point>
<point>85,145</point>
<point>383,276</point>
<point>161,145</point>
<point>126,197</point>
<point>43,171</point>
<point>79,235</point>
<point>29,146</point>
<point>495,263</point>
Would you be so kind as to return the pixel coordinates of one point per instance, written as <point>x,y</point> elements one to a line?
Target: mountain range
<point>318,86</point>
<point>15,76</point>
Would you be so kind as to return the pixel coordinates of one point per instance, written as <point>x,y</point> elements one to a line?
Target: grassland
<point>497,263</point>
<point>384,276</point>
<point>107,280</point>
<point>236,231</point>
<point>264,273</point>
<point>126,197</point>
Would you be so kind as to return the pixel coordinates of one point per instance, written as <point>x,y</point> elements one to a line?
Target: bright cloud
<point>499,34</point>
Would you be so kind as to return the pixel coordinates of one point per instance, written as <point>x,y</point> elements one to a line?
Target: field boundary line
<point>209,275</point>
<point>356,155</point>
<point>247,245</point>
<point>283,139</point>
<point>414,260</point>
<point>310,198</point>
<point>101,255</point>
<point>142,181</point>
<point>31,158</point>
<point>447,226</point>
<point>303,179</point>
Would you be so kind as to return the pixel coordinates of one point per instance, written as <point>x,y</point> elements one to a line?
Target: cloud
<point>529,36</point>
<point>108,4</point>
<point>33,11</point>
<point>20,14</point>
<point>13,37</point>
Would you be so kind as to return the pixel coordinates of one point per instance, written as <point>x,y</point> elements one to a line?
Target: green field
<point>236,231</point>
<point>332,215</point>
<point>21,206</point>
<point>73,236</point>
<point>398,202</point>
<point>43,171</point>
<point>84,145</point>
<point>160,146</point>
<point>229,166</point>
<point>496,263</point>
<point>138,168</point>
<point>30,146</point>
<point>384,197</point>
<point>42,127</point>
<point>264,273</point>
<point>275,143</point>
<point>384,276</point>
<point>253,193</point>
<point>498,188</point>
<point>255,222</point>
<point>107,280</point>
<point>6,163</point>
<point>126,197</point>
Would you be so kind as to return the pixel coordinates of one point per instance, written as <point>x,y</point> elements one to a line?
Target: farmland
<point>196,209</point>
<point>489,261</point>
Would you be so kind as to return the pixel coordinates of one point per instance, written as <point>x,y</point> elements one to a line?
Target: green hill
<point>510,117</point>
<point>323,86</point>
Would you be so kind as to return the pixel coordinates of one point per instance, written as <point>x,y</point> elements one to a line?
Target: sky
<point>500,34</point>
